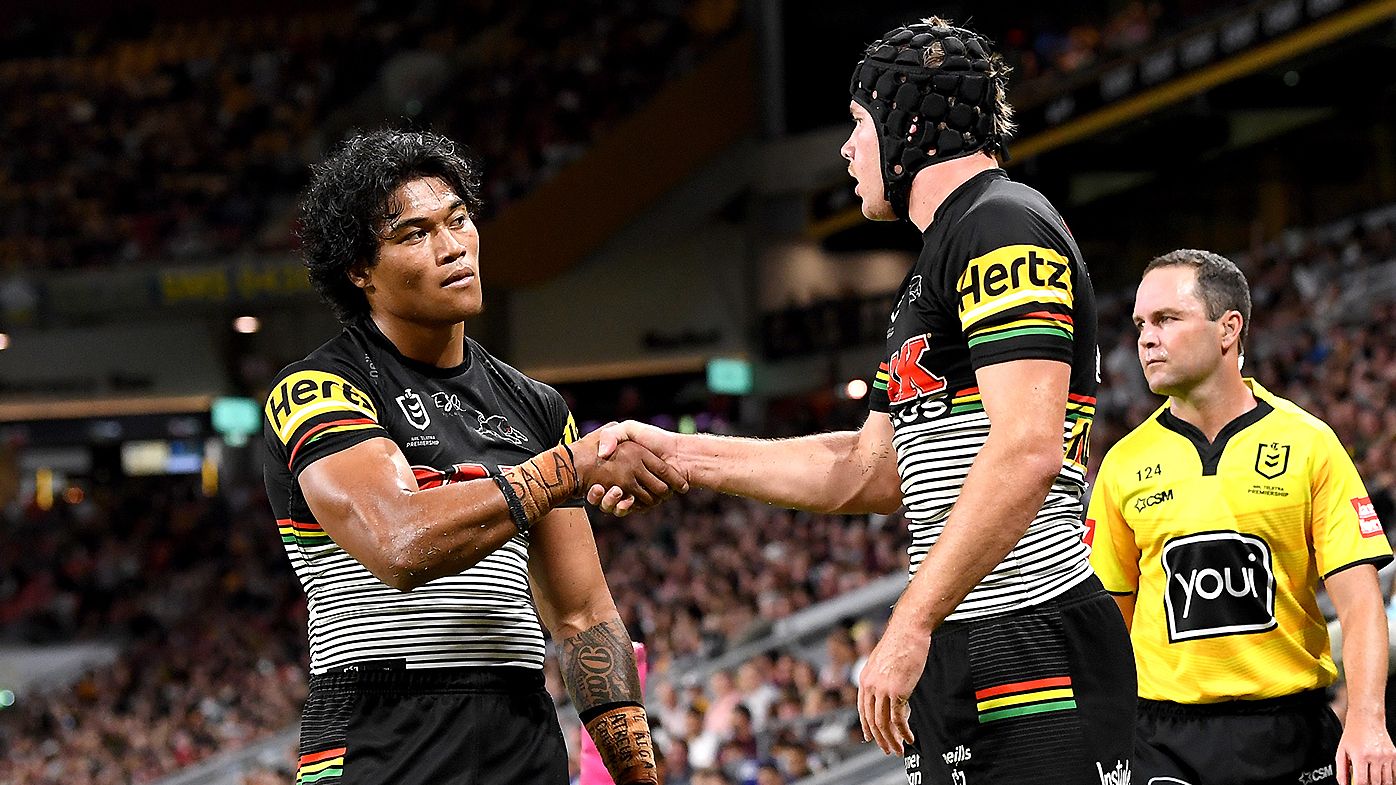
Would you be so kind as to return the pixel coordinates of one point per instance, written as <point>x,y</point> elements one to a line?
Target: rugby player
<point>1214,522</point>
<point>428,498</point>
<point>979,424</point>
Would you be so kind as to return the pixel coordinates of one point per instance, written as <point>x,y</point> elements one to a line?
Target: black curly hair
<point>349,201</point>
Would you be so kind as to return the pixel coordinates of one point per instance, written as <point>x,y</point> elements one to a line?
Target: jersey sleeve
<point>1114,552</point>
<point>1015,293</point>
<point>1346,531</point>
<point>877,390</point>
<point>316,410</point>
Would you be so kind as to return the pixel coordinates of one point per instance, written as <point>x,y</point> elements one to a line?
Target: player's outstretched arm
<point>366,498</point>
<point>598,661</point>
<point>1365,754</point>
<point>843,472</point>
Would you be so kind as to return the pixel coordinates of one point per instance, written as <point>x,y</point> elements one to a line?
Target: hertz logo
<point>1144,502</point>
<point>304,394</point>
<point>1011,276</point>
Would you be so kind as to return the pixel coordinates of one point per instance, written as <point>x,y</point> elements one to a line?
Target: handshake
<point>629,467</point>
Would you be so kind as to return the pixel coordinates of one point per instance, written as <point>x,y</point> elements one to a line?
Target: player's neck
<point>443,347</point>
<point>934,184</point>
<point>1212,404</point>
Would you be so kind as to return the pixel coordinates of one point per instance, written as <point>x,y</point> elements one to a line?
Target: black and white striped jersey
<point>452,424</point>
<point>999,279</point>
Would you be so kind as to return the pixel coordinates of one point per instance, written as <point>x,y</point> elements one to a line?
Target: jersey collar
<point>369,329</point>
<point>1210,453</point>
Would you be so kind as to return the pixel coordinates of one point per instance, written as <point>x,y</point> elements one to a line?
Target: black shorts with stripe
<point>376,724</point>
<point>1045,694</point>
<point>1291,740</point>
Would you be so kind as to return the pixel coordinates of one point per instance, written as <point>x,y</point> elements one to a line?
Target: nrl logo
<point>414,409</point>
<point>1271,460</point>
<point>495,425</point>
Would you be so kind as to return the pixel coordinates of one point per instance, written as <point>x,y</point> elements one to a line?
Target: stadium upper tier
<point>142,143</point>
<point>190,141</point>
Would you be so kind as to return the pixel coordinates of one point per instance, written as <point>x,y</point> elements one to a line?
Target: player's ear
<point>360,275</point>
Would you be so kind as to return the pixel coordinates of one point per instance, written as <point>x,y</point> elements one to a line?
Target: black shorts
<point>435,726</point>
<point>1045,694</point>
<point>1291,740</point>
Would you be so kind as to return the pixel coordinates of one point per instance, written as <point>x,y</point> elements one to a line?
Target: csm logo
<point>1119,775</point>
<point>1145,502</point>
<point>1219,583</point>
<point>1316,776</point>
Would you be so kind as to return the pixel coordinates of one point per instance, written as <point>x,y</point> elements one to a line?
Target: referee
<point>427,496</point>
<point>1213,523</point>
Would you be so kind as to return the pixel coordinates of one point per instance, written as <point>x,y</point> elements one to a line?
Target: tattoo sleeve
<point>598,665</point>
<point>545,481</point>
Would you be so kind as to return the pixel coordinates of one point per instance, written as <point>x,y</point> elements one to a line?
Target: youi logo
<point>1219,583</point>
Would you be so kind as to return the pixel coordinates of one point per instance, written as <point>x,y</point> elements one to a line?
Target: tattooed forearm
<point>598,665</point>
<point>622,736</point>
<point>545,481</point>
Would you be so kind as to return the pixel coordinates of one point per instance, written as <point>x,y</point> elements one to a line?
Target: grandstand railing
<point>227,768</point>
<point>802,625</point>
<point>867,768</point>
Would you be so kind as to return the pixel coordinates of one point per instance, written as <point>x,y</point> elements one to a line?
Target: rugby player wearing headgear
<point>1213,523</point>
<point>427,495</point>
<point>980,422</point>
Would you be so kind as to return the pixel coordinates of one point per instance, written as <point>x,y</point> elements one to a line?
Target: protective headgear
<point>927,115</point>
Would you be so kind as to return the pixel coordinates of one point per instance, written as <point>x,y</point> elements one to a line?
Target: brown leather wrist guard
<point>622,736</point>
<point>545,481</point>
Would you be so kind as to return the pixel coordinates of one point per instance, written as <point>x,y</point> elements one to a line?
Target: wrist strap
<point>516,508</point>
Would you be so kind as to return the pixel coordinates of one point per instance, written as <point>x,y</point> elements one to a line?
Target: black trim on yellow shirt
<point>1375,561</point>
<point>1211,452</point>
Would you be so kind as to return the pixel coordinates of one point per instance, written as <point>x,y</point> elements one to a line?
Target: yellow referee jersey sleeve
<point>1345,525</point>
<point>1114,553</point>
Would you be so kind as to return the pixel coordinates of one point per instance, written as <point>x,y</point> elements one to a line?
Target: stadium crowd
<point>174,142</point>
<point>134,142</point>
<point>196,591</point>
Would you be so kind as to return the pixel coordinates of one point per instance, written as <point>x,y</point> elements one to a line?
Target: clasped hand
<point>627,467</point>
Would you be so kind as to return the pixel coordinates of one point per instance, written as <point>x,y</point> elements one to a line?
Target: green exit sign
<point>728,376</point>
<point>236,419</point>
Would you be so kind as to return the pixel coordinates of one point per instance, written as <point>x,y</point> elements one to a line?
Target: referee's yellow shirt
<point>1224,545</point>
